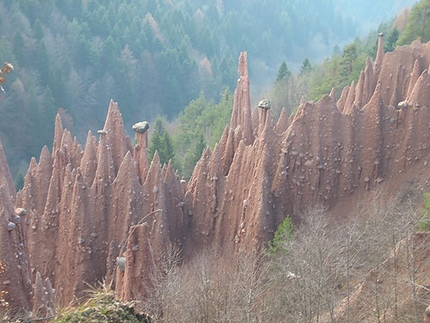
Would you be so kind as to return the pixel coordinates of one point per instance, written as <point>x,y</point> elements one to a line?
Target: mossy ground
<point>101,307</point>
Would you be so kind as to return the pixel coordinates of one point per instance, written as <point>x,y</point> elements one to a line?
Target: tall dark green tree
<point>193,156</point>
<point>199,148</point>
<point>167,151</point>
<point>201,124</point>
<point>280,95</point>
<point>347,61</point>
<point>19,49</point>
<point>161,142</point>
<point>37,29</point>
<point>306,66</point>
<point>42,61</point>
<point>155,140</point>
<point>390,42</point>
<point>283,72</point>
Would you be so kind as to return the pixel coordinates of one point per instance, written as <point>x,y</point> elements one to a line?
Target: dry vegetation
<point>314,278</point>
<point>4,305</point>
<point>6,69</point>
<point>373,268</point>
<point>101,307</point>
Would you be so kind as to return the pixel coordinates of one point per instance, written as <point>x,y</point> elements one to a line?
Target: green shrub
<point>424,222</point>
<point>283,235</point>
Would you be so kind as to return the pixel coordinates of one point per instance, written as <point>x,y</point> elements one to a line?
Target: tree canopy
<point>161,143</point>
<point>418,25</point>
<point>155,57</point>
<point>201,124</point>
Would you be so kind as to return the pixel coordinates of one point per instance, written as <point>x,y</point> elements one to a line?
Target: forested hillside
<point>371,13</point>
<point>152,56</point>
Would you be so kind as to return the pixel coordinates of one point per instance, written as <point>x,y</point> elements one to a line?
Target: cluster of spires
<point>105,213</point>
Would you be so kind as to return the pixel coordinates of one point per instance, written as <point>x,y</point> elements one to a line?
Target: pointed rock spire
<point>416,72</point>
<point>141,149</point>
<point>237,194</point>
<point>283,122</point>
<point>44,297</point>
<point>58,134</point>
<point>350,99</point>
<point>105,172</point>
<point>89,160</point>
<point>241,114</point>
<point>5,172</point>
<point>359,90</point>
<point>115,134</point>
<point>342,99</point>
<point>13,253</point>
<point>379,55</point>
<point>136,267</point>
<point>333,94</point>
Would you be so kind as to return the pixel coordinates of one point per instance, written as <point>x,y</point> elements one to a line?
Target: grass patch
<point>101,307</point>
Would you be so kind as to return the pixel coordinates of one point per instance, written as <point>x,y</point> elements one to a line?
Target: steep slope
<point>13,252</point>
<point>403,279</point>
<point>104,213</point>
<point>93,198</point>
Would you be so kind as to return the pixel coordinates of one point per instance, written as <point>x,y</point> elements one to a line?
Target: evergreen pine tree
<point>391,41</point>
<point>161,142</point>
<point>19,49</point>
<point>306,66</point>
<point>346,63</point>
<point>283,72</point>
<point>166,150</point>
<point>155,141</point>
<point>199,148</point>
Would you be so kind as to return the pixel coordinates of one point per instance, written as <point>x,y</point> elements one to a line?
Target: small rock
<point>427,311</point>
<point>402,105</point>
<point>11,226</point>
<point>308,163</point>
<point>120,261</point>
<point>140,127</point>
<point>264,104</point>
<point>16,219</point>
<point>20,211</point>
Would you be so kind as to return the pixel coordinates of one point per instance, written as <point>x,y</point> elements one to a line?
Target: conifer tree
<point>199,148</point>
<point>283,72</point>
<point>306,66</point>
<point>347,61</point>
<point>391,41</point>
<point>161,142</point>
<point>280,96</point>
<point>166,150</point>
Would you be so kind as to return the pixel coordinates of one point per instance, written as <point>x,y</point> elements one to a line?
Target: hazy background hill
<point>369,14</point>
<point>152,56</point>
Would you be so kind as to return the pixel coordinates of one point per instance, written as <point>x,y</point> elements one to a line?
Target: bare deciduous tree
<point>366,268</point>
